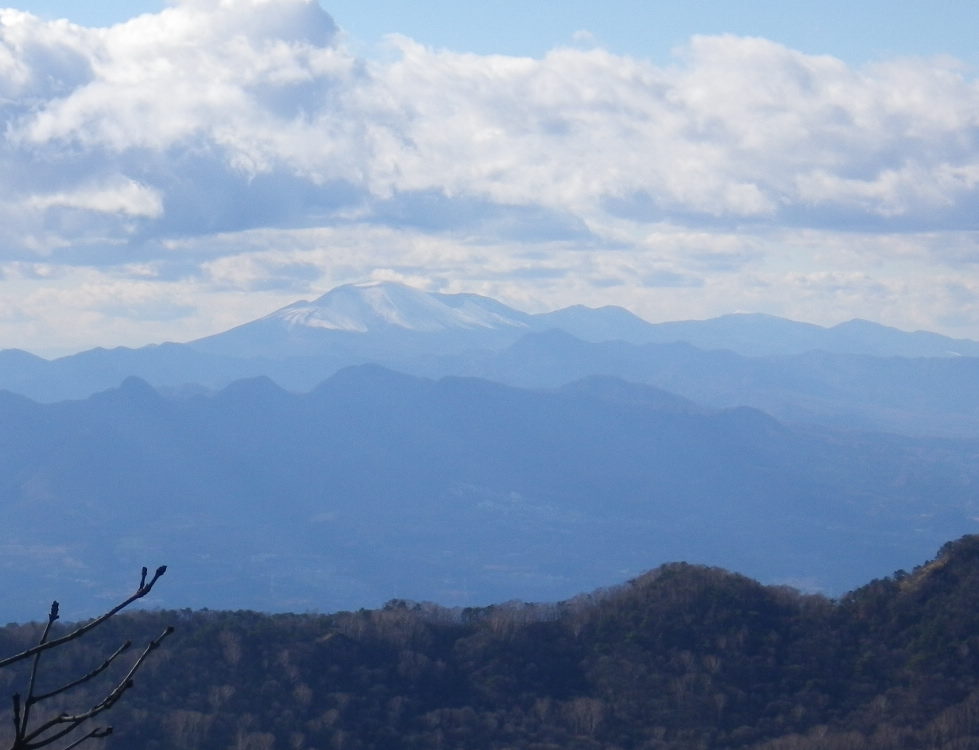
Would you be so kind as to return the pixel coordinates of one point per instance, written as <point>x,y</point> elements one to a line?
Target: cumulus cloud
<point>210,141</point>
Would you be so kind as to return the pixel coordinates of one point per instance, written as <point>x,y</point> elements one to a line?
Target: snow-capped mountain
<point>377,306</point>
<point>361,322</point>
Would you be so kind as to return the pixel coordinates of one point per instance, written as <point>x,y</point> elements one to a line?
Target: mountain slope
<point>834,377</point>
<point>362,316</point>
<point>382,318</point>
<point>915,396</point>
<point>377,484</point>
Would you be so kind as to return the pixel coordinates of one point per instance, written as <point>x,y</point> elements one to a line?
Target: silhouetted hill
<point>684,656</point>
<point>917,396</point>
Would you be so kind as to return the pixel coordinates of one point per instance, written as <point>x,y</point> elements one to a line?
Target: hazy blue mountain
<point>377,485</point>
<point>391,320</point>
<point>754,334</point>
<point>937,396</point>
<point>618,391</point>
<point>857,375</point>
<point>81,375</point>
<point>751,334</point>
<point>608,323</point>
<point>866,337</point>
<point>18,363</point>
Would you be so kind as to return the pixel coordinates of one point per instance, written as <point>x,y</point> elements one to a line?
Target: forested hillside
<point>683,657</point>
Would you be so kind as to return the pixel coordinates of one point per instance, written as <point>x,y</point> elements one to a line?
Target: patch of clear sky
<point>856,32</point>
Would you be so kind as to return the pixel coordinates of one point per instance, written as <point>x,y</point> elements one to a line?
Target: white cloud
<point>214,140</point>
<point>120,195</point>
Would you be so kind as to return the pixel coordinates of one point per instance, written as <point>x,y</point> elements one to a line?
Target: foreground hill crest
<point>685,656</point>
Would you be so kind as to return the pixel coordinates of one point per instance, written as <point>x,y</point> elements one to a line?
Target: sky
<point>170,170</point>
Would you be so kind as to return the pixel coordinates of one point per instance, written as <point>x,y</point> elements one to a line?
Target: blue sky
<point>171,170</point>
<point>854,31</point>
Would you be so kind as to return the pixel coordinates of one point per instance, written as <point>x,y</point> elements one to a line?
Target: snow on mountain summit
<point>374,306</point>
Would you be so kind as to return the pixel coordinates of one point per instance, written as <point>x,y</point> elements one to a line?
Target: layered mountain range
<point>856,375</point>
<point>392,443</point>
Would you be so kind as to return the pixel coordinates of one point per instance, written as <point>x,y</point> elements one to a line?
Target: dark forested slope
<point>685,656</point>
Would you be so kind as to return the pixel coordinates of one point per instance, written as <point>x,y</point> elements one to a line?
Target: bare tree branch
<point>144,588</point>
<point>95,672</point>
<point>33,739</point>
<point>29,700</point>
<point>94,734</point>
<point>61,726</point>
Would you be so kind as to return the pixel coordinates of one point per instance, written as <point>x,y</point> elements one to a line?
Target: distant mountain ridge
<point>460,490</point>
<point>384,441</point>
<point>756,334</point>
<point>381,308</point>
<point>857,374</point>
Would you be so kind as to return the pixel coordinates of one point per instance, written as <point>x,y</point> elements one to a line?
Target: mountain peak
<point>382,305</point>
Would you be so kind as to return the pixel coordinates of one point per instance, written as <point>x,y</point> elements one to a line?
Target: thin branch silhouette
<point>143,590</point>
<point>63,725</point>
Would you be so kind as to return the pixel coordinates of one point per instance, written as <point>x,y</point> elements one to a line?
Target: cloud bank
<point>194,168</point>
